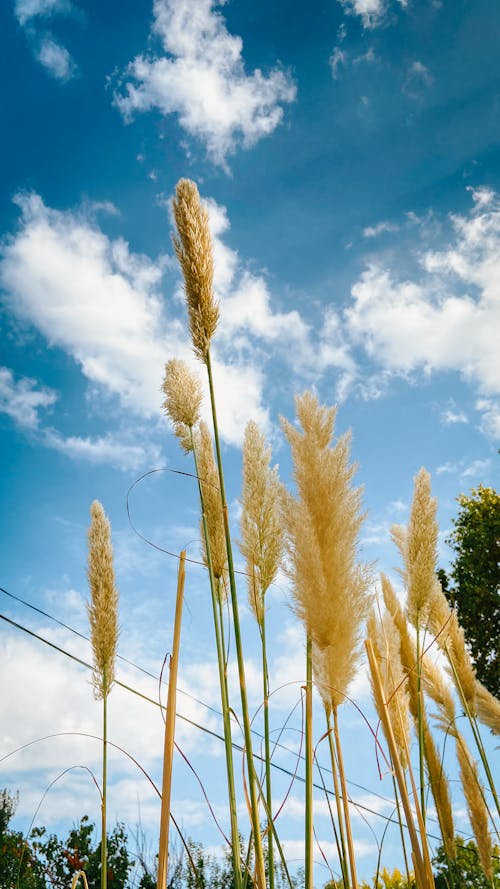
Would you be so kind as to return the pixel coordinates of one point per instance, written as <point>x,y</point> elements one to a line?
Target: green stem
<point>267,748</point>
<point>342,850</point>
<point>309,883</point>
<point>104,849</point>
<point>226,717</point>
<point>420,712</point>
<point>254,803</point>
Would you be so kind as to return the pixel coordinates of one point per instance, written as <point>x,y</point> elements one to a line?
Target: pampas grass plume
<point>419,548</point>
<point>183,398</point>
<point>103,606</point>
<point>193,247</point>
<point>262,536</point>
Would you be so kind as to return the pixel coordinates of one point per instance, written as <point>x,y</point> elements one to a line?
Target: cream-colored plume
<point>209,480</point>
<point>443,622</point>
<point>183,397</point>
<point>195,254</point>
<point>488,708</point>
<point>418,546</point>
<point>103,605</point>
<point>262,536</point>
<point>322,526</point>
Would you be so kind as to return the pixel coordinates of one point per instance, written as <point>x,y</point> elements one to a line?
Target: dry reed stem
<point>168,747</point>
<point>209,480</point>
<point>322,524</point>
<point>423,873</point>
<point>76,877</point>
<point>194,252</point>
<point>435,773</point>
<point>103,606</point>
<point>262,534</point>
<point>183,398</point>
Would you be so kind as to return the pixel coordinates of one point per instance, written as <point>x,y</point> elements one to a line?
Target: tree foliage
<point>466,871</point>
<point>474,580</point>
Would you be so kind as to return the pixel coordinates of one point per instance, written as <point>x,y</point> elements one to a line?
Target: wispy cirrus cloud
<point>201,78</point>
<point>33,16</point>
<point>23,398</point>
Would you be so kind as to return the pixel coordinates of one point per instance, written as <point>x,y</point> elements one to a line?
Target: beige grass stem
<point>168,748</point>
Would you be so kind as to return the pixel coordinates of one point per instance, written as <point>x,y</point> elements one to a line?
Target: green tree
<point>18,866</point>
<point>61,859</point>
<point>466,870</point>
<point>473,583</point>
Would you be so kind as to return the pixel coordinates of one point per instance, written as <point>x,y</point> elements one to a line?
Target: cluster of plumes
<point>439,690</point>
<point>261,526</point>
<point>385,640</point>
<point>212,503</point>
<point>322,525</point>
<point>193,247</point>
<point>183,398</point>
<point>433,763</point>
<point>103,606</point>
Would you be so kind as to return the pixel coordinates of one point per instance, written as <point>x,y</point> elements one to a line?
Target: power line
<point>203,728</point>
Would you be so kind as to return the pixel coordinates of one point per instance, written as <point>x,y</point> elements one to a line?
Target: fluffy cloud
<point>22,399</point>
<point>371,12</point>
<point>448,317</point>
<point>56,59</point>
<point>202,78</point>
<point>103,449</point>
<point>102,303</point>
<point>24,10</point>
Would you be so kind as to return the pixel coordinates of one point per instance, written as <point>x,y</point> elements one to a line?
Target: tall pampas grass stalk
<point>103,619</point>
<point>168,747</point>
<point>183,398</point>
<point>418,546</point>
<point>262,545</point>
<point>329,586</point>
<point>194,250</point>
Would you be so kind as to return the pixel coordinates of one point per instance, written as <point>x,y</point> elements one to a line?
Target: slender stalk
<point>252,779</point>
<point>340,760</point>
<point>267,753</point>
<point>342,849</point>
<point>401,831</point>
<point>168,749</point>
<point>104,844</point>
<point>226,717</point>
<point>309,771</point>
<point>421,739</point>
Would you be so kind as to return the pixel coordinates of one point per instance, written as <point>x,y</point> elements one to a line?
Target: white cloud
<point>372,231</point>
<point>103,449</point>
<point>201,77</point>
<point>102,303</point>
<point>338,60</point>
<point>23,398</point>
<point>371,12</point>
<point>24,10</point>
<point>56,59</point>
<point>452,417</point>
<point>418,79</point>
<point>490,422</point>
<point>476,469</point>
<point>448,318</point>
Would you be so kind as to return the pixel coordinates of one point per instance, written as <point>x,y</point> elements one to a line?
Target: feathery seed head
<point>385,640</point>
<point>103,606</point>
<point>193,247</point>
<point>210,486</point>
<point>322,525</point>
<point>262,535</point>
<point>183,397</point>
<point>420,549</point>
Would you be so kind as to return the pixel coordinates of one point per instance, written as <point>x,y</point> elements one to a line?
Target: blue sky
<point>348,152</point>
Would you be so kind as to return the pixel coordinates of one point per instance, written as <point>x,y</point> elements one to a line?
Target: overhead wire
<point>192,722</point>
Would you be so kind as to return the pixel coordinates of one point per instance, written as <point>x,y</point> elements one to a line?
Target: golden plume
<point>103,605</point>
<point>183,397</point>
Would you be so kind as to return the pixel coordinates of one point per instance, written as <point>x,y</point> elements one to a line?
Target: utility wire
<point>202,728</point>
